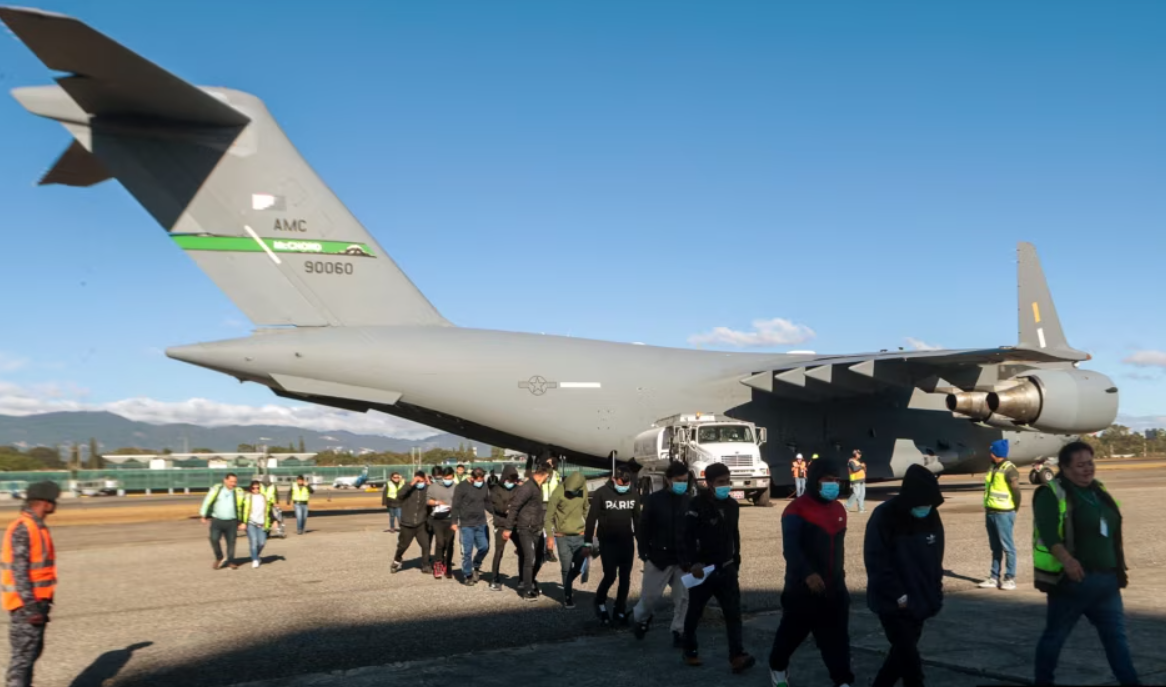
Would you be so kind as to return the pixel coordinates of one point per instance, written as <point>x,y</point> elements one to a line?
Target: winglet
<point>1040,328</point>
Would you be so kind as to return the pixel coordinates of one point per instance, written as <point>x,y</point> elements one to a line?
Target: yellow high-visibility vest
<point>391,489</point>
<point>997,495</point>
<point>300,494</point>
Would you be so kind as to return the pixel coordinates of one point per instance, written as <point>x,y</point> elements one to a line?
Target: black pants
<point>224,528</point>
<point>903,632</point>
<point>406,537</point>
<point>617,553</point>
<point>828,618</point>
<point>534,546</point>
<point>724,585</point>
<point>443,539</point>
<point>499,549</point>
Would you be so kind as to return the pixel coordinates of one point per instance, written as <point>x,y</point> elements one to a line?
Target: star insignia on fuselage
<point>538,385</point>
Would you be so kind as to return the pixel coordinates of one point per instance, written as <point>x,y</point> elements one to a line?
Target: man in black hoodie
<point>660,535</point>
<point>525,519</point>
<point>904,569</point>
<point>615,507</point>
<point>815,598</point>
<point>471,502</point>
<point>712,538</point>
<point>414,514</point>
<point>501,494</point>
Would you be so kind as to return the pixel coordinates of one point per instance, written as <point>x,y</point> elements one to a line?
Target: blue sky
<point>633,171</point>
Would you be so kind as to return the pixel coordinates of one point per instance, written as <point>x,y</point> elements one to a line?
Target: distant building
<point>215,461</point>
<point>1152,434</point>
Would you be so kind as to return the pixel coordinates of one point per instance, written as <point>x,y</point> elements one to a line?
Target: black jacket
<point>813,533</point>
<point>470,505</point>
<point>414,505</point>
<point>616,514</point>
<point>527,510</point>
<point>500,496</point>
<point>904,554</point>
<point>660,534</point>
<point>711,535</point>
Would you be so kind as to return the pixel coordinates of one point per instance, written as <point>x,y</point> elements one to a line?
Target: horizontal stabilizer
<point>108,80</point>
<point>76,167</point>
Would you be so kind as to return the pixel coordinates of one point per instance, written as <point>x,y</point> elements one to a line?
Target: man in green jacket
<point>567,518</point>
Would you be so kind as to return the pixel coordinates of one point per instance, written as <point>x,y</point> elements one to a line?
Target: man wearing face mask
<point>471,502</point>
<point>414,513</point>
<point>615,508</point>
<point>903,552</point>
<point>815,599</point>
<point>525,521</point>
<point>500,497</point>
<point>712,537</point>
<point>566,519</point>
<point>441,522</point>
<point>660,536</point>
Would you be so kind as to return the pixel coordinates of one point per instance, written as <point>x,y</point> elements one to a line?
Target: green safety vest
<point>1047,567</point>
<point>549,486</point>
<point>300,494</point>
<point>268,490</point>
<point>997,495</point>
<point>214,495</point>
<point>247,511</point>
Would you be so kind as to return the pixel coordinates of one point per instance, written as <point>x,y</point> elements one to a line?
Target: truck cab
<point>699,440</point>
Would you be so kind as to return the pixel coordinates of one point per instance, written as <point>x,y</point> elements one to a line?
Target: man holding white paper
<point>711,537</point>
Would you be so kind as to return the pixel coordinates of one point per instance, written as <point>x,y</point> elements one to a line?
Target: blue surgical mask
<point>920,511</point>
<point>722,493</point>
<point>447,482</point>
<point>623,488</point>
<point>510,485</point>
<point>829,490</point>
<point>478,484</point>
<point>679,487</point>
<point>422,485</point>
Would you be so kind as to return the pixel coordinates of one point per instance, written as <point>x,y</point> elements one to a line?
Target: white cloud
<point>11,363</point>
<point>765,333</point>
<point>17,399</point>
<point>1146,359</point>
<point>917,345</point>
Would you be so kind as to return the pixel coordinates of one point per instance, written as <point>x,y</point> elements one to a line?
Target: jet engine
<point>971,404</point>
<point>1057,401</point>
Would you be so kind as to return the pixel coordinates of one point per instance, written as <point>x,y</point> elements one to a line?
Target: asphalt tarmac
<point>139,604</point>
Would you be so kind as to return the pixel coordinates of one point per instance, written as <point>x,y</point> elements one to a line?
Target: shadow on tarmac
<point>107,666</point>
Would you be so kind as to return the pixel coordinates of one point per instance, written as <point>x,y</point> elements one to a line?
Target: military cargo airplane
<point>339,324</point>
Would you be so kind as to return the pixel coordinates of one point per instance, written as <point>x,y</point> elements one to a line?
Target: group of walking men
<point>228,509</point>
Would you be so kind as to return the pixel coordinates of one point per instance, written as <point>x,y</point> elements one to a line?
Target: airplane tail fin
<point>1040,327</point>
<point>212,166</point>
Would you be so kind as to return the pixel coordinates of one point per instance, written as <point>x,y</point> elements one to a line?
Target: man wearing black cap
<point>904,571</point>
<point>29,578</point>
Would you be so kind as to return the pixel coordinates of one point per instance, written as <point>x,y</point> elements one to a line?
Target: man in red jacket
<point>815,598</point>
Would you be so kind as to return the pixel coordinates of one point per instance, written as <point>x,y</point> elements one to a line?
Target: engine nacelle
<point>970,404</point>
<point>1059,401</point>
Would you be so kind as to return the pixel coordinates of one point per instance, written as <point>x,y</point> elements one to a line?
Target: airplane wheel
<point>1034,477</point>
<point>1046,475</point>
<point>764,499</point>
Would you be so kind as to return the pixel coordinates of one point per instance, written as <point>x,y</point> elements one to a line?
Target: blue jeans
<point>1000,539</point>
<point>801,485</point>
<point>1098,598</point>
<point>257,536</point>
<point>474,537</point>
<point>857,492</point>
<point>301,516</point>
<point>394,518</point>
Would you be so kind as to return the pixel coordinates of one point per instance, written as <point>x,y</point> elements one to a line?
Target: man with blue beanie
<point>1001,501</point>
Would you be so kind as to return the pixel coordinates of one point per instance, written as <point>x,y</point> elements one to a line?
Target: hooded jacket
<point>500,496</point>
<point>470,504</point>
<point>414,505</point>
<point>813,532</point>
<point>527,510</point>
<point>710,534</point>
<point>904,554</point>
<point>567,509</point>
<point>660,533</point>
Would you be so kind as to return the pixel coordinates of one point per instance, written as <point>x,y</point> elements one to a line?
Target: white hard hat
<point>799,456</point>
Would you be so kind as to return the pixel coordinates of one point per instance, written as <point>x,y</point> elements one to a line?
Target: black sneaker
<point>621,619</point>
<point>395,567</point>
<point>530,596</point>
<point>677,640</point>
<point>641,629</point>
<point>604,617</point>
<point>568,602</point>
<point>495,587</point>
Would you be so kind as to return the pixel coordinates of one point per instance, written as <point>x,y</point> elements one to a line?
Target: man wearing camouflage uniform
<point>29,578</point>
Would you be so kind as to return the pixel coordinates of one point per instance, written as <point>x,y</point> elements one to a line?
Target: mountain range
<point>114,431</point>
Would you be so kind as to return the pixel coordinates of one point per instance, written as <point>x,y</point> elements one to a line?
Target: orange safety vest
<point>799,470</point>
<point>42,563</point>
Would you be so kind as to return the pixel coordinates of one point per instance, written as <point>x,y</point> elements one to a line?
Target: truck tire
<point>1034,478</point>
<point>764,499</point>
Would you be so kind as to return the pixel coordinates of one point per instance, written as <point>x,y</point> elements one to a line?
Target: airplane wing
<point>829,377</point>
